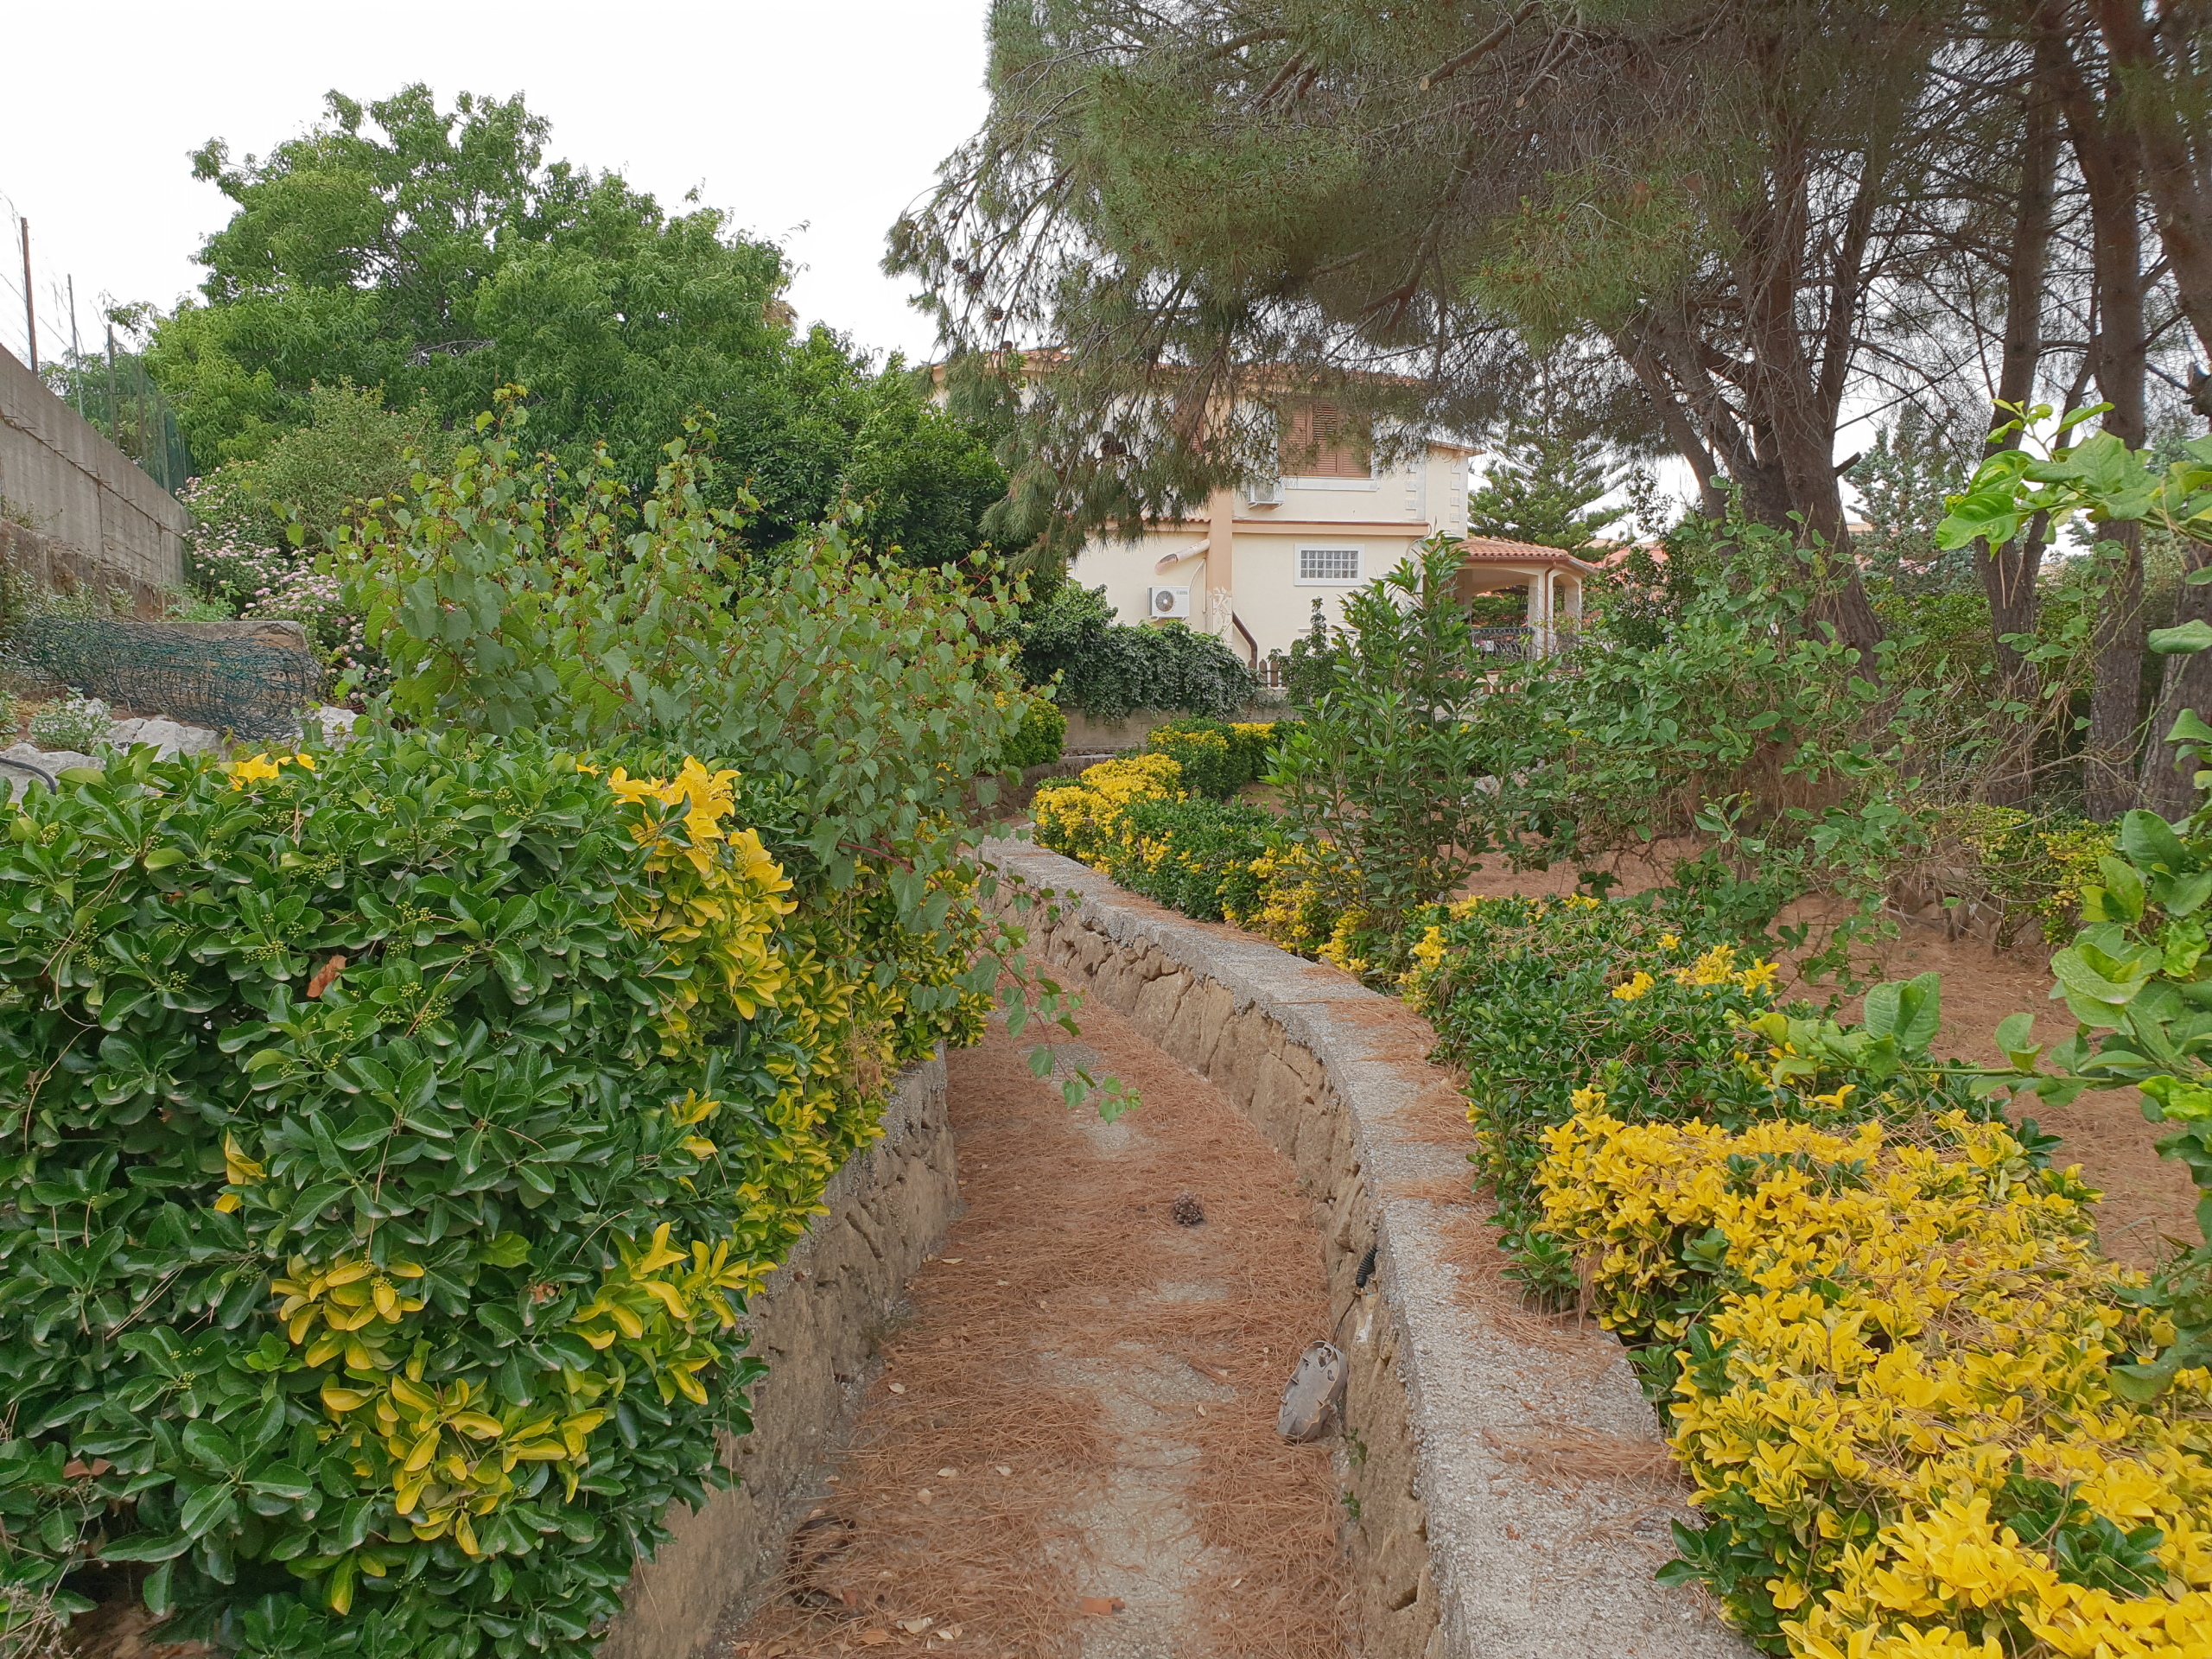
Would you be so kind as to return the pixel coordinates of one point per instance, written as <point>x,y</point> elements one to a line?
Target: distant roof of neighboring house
<point>1491,549</point>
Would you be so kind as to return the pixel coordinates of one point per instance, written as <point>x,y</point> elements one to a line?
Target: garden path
<point>1071,1450</point>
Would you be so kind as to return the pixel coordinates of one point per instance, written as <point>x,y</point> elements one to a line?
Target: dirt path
<point>1071,1450</point>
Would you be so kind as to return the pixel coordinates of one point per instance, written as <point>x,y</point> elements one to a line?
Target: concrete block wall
<point>85,495</point>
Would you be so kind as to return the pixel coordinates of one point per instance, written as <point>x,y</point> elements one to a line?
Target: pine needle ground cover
<point>1874,1317</point>
<point>392,1135</point>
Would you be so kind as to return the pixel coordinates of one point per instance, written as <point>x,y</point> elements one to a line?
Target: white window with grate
<point>1328,564</point>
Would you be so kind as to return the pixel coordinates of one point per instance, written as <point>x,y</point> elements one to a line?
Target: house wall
<point>84,495</point>
<point>1384,516</point>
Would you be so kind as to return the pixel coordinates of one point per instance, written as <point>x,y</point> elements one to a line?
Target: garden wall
<point>49,566</point>
<point>1506,1487</point>
<point>81,490</point>
<point>817,1325</point>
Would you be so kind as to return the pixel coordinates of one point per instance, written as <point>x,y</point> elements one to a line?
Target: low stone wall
<point>816,1325</point>
<point>1507,1488</point>
<point>49,566</point>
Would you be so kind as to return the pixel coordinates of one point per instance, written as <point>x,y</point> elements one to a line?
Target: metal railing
<point>1512,643</point>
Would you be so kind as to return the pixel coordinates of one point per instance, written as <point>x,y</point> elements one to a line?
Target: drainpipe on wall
<point>1221,570</point>
<point>1251,645</point>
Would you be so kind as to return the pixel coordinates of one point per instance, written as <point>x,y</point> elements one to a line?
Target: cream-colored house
<point>1250,566</point>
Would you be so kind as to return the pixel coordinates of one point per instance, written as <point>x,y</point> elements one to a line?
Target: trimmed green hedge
<point>393,1136</point>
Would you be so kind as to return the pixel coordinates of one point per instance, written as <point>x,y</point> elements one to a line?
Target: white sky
<point>814,123</point>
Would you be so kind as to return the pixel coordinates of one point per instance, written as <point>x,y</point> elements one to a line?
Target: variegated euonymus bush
<point>391,1137</point>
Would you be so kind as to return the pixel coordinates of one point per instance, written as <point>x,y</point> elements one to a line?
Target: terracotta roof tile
<point>1490,547</point>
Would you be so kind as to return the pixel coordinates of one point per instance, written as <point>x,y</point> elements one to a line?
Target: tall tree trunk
<point>2176,174</point>
<point>2008,573</point>
<point>2104,146</point>
<point>2108,784</point>
<point>1790,404</point>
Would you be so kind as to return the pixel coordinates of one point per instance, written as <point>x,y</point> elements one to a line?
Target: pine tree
<point>1541,488</point>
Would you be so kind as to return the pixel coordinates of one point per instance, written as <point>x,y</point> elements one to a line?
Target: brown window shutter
<point>1321,441</point>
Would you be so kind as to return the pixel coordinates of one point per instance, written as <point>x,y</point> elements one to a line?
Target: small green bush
<point>1218,757</point>
<point>1194,856</point>
<point>1202,749</point>
<point>1037,741</point>
<point>1110,669</point>
<point>79,723</point>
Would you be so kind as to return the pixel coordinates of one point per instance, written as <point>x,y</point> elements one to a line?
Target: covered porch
<point>1553,581</point>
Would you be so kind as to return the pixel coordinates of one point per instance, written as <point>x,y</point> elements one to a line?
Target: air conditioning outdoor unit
<point>1169,601</point>
<point>1263,492</point>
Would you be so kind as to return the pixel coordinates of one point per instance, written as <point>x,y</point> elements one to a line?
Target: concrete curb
<point>1483,1447</point>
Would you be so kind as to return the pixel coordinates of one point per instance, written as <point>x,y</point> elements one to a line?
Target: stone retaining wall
<point>1507,1489</point>
<point>816,1325</point>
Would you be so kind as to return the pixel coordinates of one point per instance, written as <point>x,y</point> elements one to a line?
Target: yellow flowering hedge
<point>1217,860</point>
<point>1534,1000</point>
<point>1082,816</point>
<point>1896,1400</point>
<point>393,1136</point>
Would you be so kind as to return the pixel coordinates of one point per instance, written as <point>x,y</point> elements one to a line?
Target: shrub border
<point>1467,1533</point>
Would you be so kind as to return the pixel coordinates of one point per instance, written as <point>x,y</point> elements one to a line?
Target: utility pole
<point>30,316</point>
<point>114,432</point>
<point>76,350</point>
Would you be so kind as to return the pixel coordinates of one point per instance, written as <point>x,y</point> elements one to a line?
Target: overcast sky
<point>812,122</point>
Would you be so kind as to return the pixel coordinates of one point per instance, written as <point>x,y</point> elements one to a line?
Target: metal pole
<point>30,316</point>
<point>76,350</point>
<point>114,433</point>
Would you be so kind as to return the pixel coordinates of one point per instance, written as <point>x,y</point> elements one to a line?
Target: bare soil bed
<point>1071,1450</point>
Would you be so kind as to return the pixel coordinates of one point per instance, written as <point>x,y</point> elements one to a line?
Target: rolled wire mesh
<point>249,687</point>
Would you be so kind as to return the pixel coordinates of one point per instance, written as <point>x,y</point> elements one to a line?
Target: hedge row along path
<point>2148,1200</point>
<point>1071,1450</point>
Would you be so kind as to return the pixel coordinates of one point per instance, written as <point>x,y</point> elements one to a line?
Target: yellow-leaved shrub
<point>1894,1395</point>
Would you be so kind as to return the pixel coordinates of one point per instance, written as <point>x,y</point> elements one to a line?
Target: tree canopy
<point>1724,225</point>
<point>438,255</point>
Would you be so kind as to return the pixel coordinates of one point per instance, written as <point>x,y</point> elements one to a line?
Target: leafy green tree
<point>439,256</point>
<point>1542,486</point>
<point>1393,763</point>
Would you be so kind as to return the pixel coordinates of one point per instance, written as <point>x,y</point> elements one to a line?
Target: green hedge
<point>1218,757</point>
<point>1037,741</point>
<point>394,1135</point>
<point>1193,856</point>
